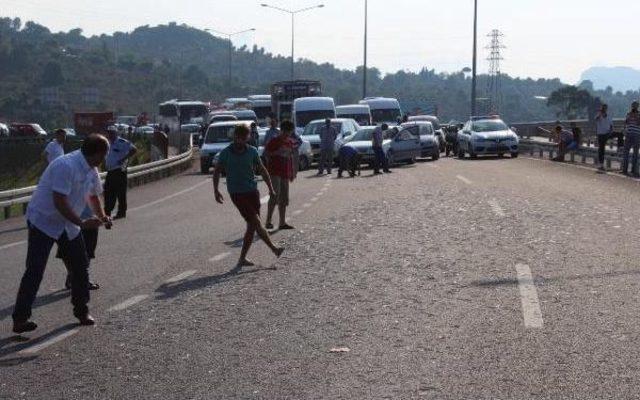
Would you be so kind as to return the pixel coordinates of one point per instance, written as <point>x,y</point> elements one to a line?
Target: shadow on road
<point>40,301</point>
<point>24,342</point>
<point>493,282</point>
<point>170,290</point>
<point>12,230</point>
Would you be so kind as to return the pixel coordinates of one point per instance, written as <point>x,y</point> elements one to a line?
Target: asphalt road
<point>492,278</point>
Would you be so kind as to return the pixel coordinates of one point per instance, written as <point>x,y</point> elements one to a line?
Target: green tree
<point>570,102</point>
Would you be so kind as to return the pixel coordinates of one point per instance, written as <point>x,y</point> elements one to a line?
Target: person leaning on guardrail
<point>604,132</point>
<point>566,142</point>
<point>632,139</point>
<point>115,185</point>
<point>53,216</point>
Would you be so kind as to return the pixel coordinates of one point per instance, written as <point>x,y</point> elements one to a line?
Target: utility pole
<point>474,76</point>
<point>229,37</point>
<point>364,70</point>
<point>493,88</point>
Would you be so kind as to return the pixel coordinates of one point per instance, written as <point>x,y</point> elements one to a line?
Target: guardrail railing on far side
<point>137,175</point>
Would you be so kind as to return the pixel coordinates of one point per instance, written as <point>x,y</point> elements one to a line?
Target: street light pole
<point>229,36</point>
<point>293,13</point>
<point>474,78</point>
<point>364,71</point>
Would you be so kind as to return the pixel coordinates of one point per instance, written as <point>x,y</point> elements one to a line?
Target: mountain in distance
<point>619,78</point>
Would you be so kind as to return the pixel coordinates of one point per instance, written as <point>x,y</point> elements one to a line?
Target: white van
<point>307,109</point>
<point>384,110</point>
<point>360,112</point>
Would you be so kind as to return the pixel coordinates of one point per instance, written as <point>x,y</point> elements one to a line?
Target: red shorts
<point>247,203</point>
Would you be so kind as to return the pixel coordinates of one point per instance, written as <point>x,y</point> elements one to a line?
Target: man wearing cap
<point>115,185</point>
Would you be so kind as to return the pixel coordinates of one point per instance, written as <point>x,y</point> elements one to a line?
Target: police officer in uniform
<point>115,185</point>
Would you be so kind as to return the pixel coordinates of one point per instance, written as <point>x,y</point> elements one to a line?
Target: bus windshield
<point>192,111</point>
<point>304,117</point>
<point>385,115</point>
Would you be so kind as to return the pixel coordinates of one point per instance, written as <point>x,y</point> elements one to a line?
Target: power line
<point>493,85</point>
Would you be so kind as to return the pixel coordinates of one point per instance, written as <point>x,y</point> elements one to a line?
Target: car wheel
<point>304,163</point>
<point>461,153</point>
<point>412,160</point>
<point>436,156</point>
<point>500,155</point>
<point>514,155</point>
<point>391,158</point>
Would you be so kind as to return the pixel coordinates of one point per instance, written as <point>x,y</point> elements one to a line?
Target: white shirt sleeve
<point>96,186</point>
<point>61,178</point>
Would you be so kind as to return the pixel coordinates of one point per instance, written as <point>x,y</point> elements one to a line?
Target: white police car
<point>487,136</point>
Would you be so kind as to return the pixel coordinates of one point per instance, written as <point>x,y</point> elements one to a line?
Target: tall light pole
<point>364,71</point>
<point>293,14</point>
<point>229,36</point>
<point>474,79</point>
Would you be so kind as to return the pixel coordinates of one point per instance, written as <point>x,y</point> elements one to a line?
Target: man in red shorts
<point>240,161</point>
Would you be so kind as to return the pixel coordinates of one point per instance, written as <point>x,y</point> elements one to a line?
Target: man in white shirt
<point>55,148</point>
<point>604,132</point>
<point>115,184</point>
<point>65,188</point>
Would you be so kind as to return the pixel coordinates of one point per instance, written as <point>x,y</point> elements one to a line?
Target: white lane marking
<point>264,200</point>
<point>220,257</point>
<point>463,179</point>
<point>297,212</point>
<point>41,346</point>
<point>171,196</point>
<point>181,276</point>
<point>10,245</point>
<point>529,297</point>
<point>314,199</point>
<point>306,205</point>
<point>496,208</point>
<point>129,302</point>
<point>320,194</point>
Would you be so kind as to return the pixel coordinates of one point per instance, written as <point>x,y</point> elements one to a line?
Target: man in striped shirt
<point>632,139</point>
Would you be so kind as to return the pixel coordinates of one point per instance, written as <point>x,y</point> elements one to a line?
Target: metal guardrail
<point>583,154</point>
<point>142,172</point>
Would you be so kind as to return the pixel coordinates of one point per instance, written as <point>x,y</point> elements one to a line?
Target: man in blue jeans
<point>53,217</point>
<point>377,137</point>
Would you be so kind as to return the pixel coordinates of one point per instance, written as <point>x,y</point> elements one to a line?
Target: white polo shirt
<point>604,125</point>
<point>53,150</point>
<point>69,175</point>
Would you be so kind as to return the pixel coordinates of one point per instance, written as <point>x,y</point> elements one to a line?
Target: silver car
<point>345,127</point>
<point>487,136</point>
<point>428,139</point>
<point>398,145</point>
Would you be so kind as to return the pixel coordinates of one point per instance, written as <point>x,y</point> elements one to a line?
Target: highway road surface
<point>455,279</point>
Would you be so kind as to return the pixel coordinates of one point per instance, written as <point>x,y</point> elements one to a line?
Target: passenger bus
<point>284,93</point>
<point>307,109</point>
<point>261,105</point>
<point>360,112</point>
<point>173,114</point>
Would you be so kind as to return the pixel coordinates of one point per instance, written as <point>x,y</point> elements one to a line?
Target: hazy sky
<point>544,38</point>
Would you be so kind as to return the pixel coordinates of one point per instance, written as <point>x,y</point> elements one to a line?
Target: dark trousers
<point>115,187</point>
<point>350,164</point>
<point>38,251</point>
<point>602,143</point>
<point>380,160</point>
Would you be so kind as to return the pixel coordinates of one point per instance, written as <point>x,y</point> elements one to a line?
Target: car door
<point>464,136</point>
<point>407,143</point>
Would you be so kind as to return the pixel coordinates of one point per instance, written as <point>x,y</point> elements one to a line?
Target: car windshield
<point>385,115</point>
<point>488,126</point>
<point>312,129</point>
<point>362,135</point>
<point>304,117</point>
<point>220,134</point>
<point>362,119</point>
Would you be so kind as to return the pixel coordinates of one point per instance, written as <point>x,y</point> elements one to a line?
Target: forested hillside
<point>45,76</point>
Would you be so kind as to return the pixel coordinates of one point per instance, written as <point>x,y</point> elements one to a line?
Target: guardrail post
<point>572,156</point>
<point>608,161</point>
<point>584,158</point>
<point>7,212</point>
<point>541,153</point>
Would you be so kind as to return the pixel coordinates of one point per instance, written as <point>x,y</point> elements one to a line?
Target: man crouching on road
<point>53,216</point>
<point>240,161</point>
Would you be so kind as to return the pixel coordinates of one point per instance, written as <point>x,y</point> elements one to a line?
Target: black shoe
<point>387,171</point>
<point>120,216</point>
<point>377,172</point>
<point>24,326</point>
<point>269,225</point>
<point>87,320</point>
<point>93,286</point>
<point>285,227</point>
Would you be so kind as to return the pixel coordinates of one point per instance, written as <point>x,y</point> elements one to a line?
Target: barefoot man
<point>240,161</point>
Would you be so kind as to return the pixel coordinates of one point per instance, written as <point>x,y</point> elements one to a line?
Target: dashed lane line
<point>181,276</point>
<point>10,245</point>
<point>129,302</point>
<point>463,179</point>
<point>51,341</point>
<point>220,257</point>
<point>529,297</point>
<point>171,196</point>
<point>496,208</point>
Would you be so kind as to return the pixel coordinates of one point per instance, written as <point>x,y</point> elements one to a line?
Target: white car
<point>218,136</point>
<point>345,127</point>
<point>487,136</point>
